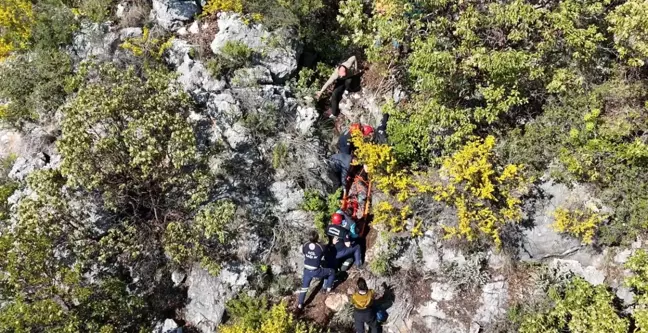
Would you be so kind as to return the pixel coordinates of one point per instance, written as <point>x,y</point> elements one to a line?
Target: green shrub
<point>98,11</point>
<point>34,85</point>
<point>578,307</point>
<point>233,55</point>
<point>253,315</point>
<point>323,208</point>
<point>382,262</point>
<point>146,141</point>
<point>204,240</point>
<point>279,155</point>
<point>54,25</point>
<point>469,275</point>
<point>7,186</point>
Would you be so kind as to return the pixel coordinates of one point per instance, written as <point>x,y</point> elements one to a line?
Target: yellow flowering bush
<point>147,45</point>
<point>485,195</point>
<point>485,198</point>
<point>578,223</point>
<point>214,7</point>
<point>276,320</point>
<point>16,18</point>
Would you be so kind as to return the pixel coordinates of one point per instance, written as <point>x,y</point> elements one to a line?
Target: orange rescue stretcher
<point>357,199</point>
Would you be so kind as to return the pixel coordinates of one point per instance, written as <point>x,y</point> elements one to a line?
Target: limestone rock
<point>194,28</point>
<point>543,241</point>
<point>95,40</point>
<point>493,301</point>
<point>237,136</point>
<point>121,10</point>
<point>288,195</point>
<point>430,252</point>
<point>208,294</point>
<point>336,302</point>
<point>306,118</point>
<point>590,273</point>
<point>171,14</point>
<point>623,256</point>
<point>178,277</point>
<point>26,165</point>
<point>249,77</point>
<point>11,143</point>
<point>279,50</point>
<point>626,295</point>
<point>130,33</point>
<point>299,219</point>
<point>170,326</point>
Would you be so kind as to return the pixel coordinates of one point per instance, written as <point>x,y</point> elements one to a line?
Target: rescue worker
<point>344,78</point>
<point>363,312</point>
<point>340,239</point>
<point>347,223</point>
<point>341,163</point>
<point>313,254</point>
<point>381,135</point>
<point>345,144</point>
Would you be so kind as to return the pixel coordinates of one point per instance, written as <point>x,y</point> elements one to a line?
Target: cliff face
<point>265,145</point>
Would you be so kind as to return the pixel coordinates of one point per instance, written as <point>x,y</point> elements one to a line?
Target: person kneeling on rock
<point>340,242</point>
<point>313,253</point>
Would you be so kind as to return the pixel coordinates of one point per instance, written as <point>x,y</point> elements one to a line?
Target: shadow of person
<point>387,299</point>
<point>314,292</point>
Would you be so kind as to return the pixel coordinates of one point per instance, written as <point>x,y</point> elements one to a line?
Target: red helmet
<point>367,130</point>
<point>355,127</point>
<point>336,219</point>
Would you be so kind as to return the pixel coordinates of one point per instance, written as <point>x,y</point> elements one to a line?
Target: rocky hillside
<point>163,162</point>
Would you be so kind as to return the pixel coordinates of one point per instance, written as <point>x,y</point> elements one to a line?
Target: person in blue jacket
<point>313,254</point>
<point>347,223</point>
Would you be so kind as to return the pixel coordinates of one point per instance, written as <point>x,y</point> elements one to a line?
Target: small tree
<point>127,136</point>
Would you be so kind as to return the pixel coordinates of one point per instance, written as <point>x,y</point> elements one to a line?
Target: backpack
<point>381,316</point>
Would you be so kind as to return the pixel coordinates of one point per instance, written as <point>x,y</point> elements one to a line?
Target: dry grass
<point>202,41</point>
<point>136,13</point>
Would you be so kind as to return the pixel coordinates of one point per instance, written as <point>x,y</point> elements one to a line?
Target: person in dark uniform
<point>313,254</point>
<point>340,240</point>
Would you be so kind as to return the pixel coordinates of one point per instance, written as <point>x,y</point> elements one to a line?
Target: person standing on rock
<point>313,254</point>
<point>345,78</point>
<point>363,312</point>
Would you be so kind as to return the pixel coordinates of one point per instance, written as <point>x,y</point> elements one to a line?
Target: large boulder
<point>306,118</point>
<point>542,241</point>
<point>288,195</point>
<point>336,302</point>
<point>95,40</point>
<point>207,295</point>
<point>194,77</point>
<point>172,14</point>
<point>251,77</point>
<point>278,51</point>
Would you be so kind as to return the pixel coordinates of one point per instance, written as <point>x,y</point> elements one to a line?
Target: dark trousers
<point>319,273</point>
<point>351,84</point>
<point>348,251</point>
<point>360,317</point>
